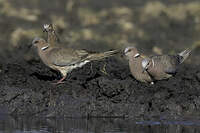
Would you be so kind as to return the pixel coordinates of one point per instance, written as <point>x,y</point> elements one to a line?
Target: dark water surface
<point>97,125</point>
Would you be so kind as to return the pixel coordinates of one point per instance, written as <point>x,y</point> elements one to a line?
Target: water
<point>43,125</point>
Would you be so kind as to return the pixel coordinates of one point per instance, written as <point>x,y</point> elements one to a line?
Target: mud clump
<point>99,89</point>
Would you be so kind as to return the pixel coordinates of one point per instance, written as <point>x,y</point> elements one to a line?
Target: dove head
<point>48,28</point>
<point>146,63</point>
<point>40,43</point>
<point>131,52</point>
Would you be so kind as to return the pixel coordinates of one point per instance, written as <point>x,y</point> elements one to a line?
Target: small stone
<point>198,76</point>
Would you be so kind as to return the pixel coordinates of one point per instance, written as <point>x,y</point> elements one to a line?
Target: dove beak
<point>44,30</point>
<point>30,45</point>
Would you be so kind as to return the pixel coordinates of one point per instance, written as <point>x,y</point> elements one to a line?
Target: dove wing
<point>167,62</point>
<point>66,57</point>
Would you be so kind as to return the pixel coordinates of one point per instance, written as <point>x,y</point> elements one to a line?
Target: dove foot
<point>58,83</point>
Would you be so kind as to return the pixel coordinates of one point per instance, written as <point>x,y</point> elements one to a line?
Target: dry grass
<point>23,13</point>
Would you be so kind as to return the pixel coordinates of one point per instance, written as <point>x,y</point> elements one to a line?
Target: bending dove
<point>164,66</point>
<point>135,65</point>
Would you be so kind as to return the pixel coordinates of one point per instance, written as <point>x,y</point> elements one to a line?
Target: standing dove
<point>66,59</point>
<point>52,37</point>
<point>164,66</point>
<point>135,65</point>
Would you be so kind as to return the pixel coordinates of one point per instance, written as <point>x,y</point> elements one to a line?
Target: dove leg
<point>61,80</point>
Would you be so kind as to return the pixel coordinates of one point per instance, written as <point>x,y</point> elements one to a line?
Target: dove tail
<point>184,55</point>
<point>99,56</point>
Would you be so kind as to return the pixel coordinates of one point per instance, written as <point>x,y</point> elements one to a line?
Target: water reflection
<point>42,125</point>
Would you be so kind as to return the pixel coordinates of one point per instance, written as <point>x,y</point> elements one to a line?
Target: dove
<point>52,37</point>
<point>135,65</point>
<point>65,60</point>
<point>164,66</point>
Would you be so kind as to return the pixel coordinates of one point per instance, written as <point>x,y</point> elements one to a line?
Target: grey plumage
<point>184,55</point>
<point>52,37</point>
<point>66,59</point>
<point>135,65</point>
<point>164,66</point>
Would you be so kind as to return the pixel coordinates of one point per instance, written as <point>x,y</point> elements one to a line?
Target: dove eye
<point>129,50</point>
<point>36,41</point>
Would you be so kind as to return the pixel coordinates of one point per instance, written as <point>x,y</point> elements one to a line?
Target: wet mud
<point>99,89</point>
<point>104,88</point>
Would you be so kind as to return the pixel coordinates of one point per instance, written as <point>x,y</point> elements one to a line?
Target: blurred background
<point>153,26</point>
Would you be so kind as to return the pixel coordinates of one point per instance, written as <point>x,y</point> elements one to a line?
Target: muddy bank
<point>102,89</point>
